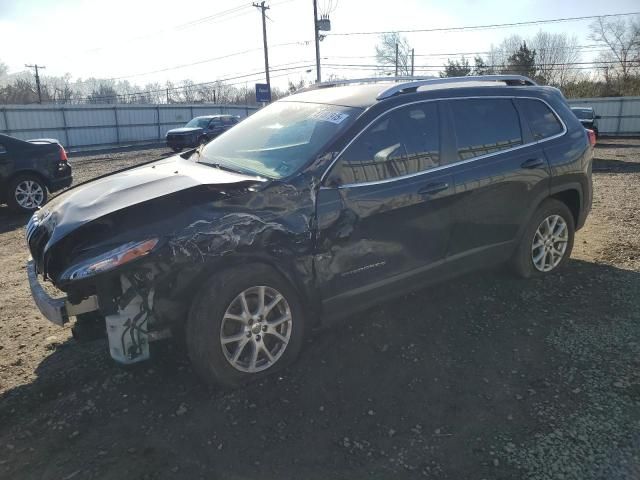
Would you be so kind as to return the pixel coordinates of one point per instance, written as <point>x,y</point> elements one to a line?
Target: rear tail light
<point>592,137</point>
<point>63,155</point>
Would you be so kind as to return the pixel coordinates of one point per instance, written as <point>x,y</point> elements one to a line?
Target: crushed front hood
<point>93,200</point>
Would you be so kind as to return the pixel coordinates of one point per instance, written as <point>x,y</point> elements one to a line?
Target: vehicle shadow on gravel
<point>10,220</point>
<point>617,166</point>
<point>432,384</point>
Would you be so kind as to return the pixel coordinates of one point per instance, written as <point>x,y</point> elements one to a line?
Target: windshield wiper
<point>219,166</point>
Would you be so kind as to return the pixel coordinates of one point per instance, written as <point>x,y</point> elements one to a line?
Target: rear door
<point>383,210</point>
<point>499,172</point>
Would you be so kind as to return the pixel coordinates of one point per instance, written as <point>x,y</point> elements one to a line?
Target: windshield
<point>198,122</point>
<point>583,113</point>
<point>279,139</point>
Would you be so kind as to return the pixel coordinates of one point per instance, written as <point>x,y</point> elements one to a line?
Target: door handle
<point>533,163</point>
<point>433,188</point>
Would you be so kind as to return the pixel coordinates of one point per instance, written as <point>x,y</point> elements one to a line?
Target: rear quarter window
<point>2,149</point>
<point>542,121</point>
<point>485,126</point>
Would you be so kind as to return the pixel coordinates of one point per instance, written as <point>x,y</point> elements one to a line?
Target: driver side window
<point>402,142</point>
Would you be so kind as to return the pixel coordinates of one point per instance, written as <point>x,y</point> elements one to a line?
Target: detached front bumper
<point>56,310</point>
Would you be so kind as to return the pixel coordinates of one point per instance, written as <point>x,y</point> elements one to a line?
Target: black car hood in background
<point>185,130</point>
<point>124,189</point>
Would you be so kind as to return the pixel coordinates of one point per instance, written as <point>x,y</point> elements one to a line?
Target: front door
<point>383,210</point>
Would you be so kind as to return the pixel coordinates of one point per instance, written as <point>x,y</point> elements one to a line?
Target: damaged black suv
<point>323,203</point>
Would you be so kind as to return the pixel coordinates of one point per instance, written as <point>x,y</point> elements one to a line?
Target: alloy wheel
<point>549,243</point>
<point>29,194</point>
<point>256,329</point>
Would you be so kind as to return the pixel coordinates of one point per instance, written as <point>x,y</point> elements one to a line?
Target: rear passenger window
<point>542,121</point>
<point>403,142</point>
<point>485,126</point>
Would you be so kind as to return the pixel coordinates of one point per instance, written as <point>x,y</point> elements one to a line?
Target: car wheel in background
<point>245,323</point>
<point>547,241</point>
<point>202,140</point>
<point>176,149</point>
<point>26,193</point>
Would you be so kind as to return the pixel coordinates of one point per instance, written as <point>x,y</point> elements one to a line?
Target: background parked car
<point>199,130</point>
<point>29,170</point>
<point>587,117</point>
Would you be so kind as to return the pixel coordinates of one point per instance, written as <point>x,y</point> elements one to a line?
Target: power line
<point>202,84</point>
<point>208,60</point>
<point>561,64</point>
<point>591,48</point>
<point>479,27</point>
<point>224,15</point>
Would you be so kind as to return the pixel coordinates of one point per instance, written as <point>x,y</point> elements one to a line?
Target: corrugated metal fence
<point>83,126</point>
<point>618,115</point>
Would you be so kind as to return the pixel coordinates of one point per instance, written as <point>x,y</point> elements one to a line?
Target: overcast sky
<point>124,38</point>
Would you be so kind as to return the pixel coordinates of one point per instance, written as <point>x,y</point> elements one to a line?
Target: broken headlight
<point>109,260</point>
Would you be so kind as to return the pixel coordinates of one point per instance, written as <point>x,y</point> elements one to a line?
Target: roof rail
<point>414,85</point>
<point>337,83</point>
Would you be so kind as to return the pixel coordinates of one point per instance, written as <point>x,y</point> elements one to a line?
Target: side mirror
<point>597,117</point>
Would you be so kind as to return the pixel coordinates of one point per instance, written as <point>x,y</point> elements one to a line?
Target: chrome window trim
<point>448,165</point>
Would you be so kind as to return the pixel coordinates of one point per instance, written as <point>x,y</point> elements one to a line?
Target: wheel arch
<point>571,196</point>
<point>284,269</point>
<point>23,173</point>
<point>568,192</point>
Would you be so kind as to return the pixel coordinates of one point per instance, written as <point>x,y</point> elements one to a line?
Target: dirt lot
<point>482,377</point>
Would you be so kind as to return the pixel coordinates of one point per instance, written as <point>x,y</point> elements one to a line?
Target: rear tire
<point>176,149</point>
<point>224,332</point>
<point>26,193</point>
<point>547,241</point>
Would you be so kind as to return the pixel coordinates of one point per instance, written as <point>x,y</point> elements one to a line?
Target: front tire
<point>245,323</point>
<point>547,241</point>
<point>26,194</point>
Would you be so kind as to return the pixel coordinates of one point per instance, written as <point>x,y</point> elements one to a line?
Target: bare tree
<point>621,37</point>
<point>498,57</point>
<point>386,53</point>
<point>556,54</point>
<point>189,91</point>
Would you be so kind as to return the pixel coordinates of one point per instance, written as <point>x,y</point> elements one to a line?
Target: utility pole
<point>316,35</point>
<point>396,60</point>
<point>412,60</point>
<point>36,67</point>
<point>262,7</point>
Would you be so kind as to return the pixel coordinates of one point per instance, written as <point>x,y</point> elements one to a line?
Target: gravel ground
<point>481,377</point>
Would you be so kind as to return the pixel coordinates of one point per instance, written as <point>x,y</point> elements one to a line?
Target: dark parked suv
<point>199,131</point>
<point>29,170</point>
<point>323,203</point>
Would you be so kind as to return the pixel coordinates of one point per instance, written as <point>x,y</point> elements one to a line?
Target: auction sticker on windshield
<point>329,116</point>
